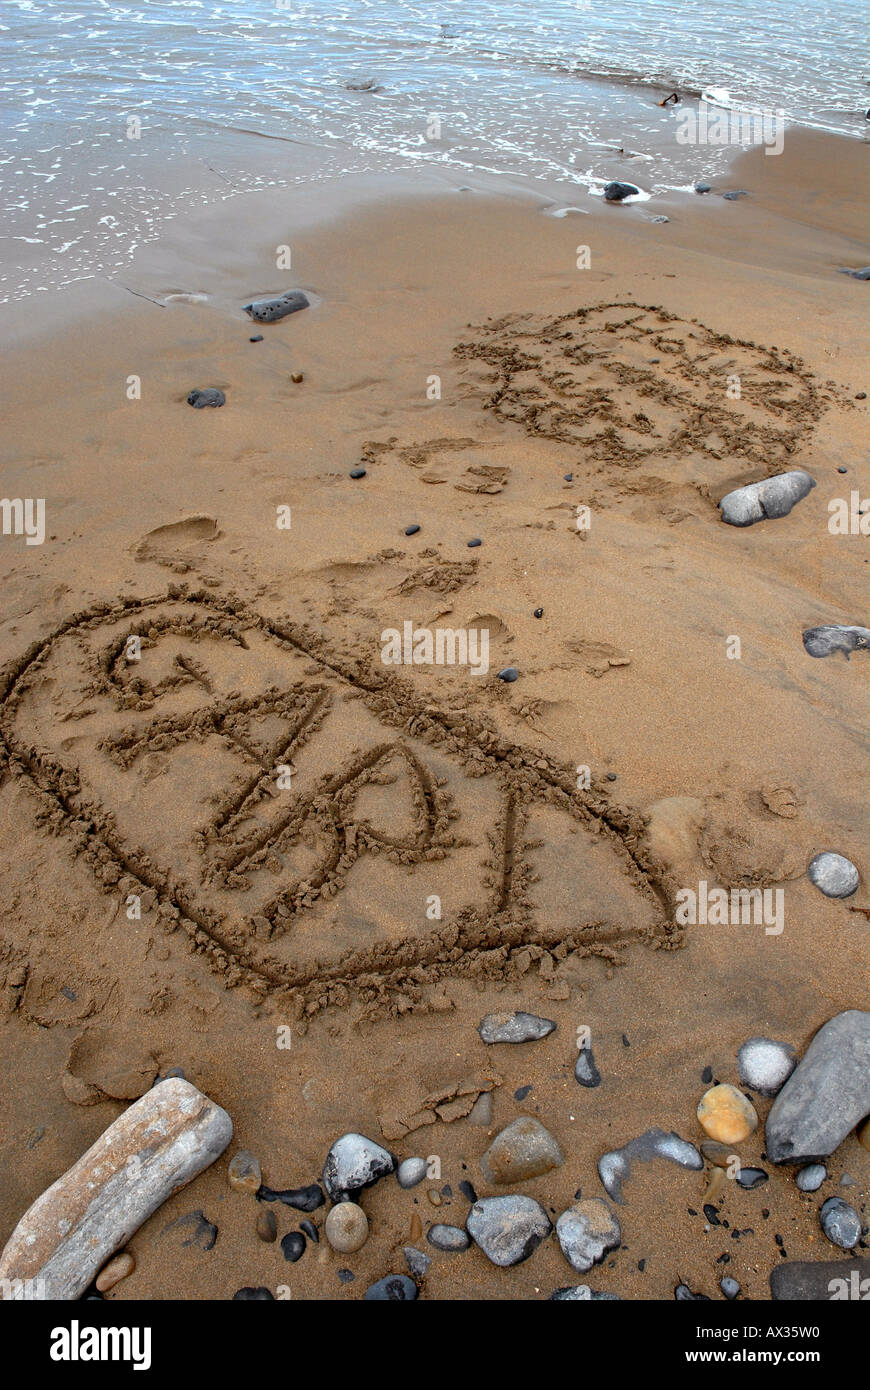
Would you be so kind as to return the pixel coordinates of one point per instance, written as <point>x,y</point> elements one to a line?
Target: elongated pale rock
<point>153,1149</point>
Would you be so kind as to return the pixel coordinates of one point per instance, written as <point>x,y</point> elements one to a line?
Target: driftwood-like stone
<point>67,1235</point>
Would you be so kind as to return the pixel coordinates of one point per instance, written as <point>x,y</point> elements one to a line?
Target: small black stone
<point>625,1041</point>
<point>252,1295</point>
<point>210,395</point>
<point>412,530</point>
<point>702,187</point>
<point>614,192</point>
<point>293,1245</point>
<point>468,1191</point>
<point>522,1092</point>
<point>302,1198</point>
<point>711,1214</point>
<point>508,674</point>
<point>707,1075</point>
<point>477,541</point>
<point>842,470</point>
<point>569,477</point>
<point>861,396</point>
<point>310,1230</point>
<point>346,1276</point>
<point>641,1264</point>
<point>578,1194</point>
<point>257,339</point>
<point>611,776</point>
<point>357,472</point>
<point>538,613</point>
<point>447,1190</point>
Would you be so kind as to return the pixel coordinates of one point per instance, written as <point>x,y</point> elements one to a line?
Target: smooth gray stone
<point>820,1280</point>
<point>585,1071</point>
<point>417,1261</point>
<point>840,1222</point>
<point>411,1171</point>
<point>615,191</point>
<point>766,499</point>
<point>508,1229</point>
<point>154,1148</point>
<point>863,274</point>
<point>393,1288</point>
<point>765,1065</point>
<point>514,1028</point>
<point>269,310</point>
<point>586,1231</point>
<point>354,1162</point>
<point>581,1293</point>
<point>825,640</point>
<point>826,1095</point>
<point>833,874</point>
<point>209,395</point>
<point>729,1287</point>
<point>614,1167</point>
<point>448,1237</point>
<point>810,1179</point>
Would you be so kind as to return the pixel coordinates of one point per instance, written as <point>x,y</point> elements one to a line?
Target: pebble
<point>411,1171</point>
<point>514,1028</point>
<point>434,1196</point>
<point>508,1229</point>
<point>412,530</point>
<point>840,1223</point>
<point>65,1238</point>
<point>417,1261</point>
<point>309,1228</point>
<point>827,1094</point>
<point>767,499</point>
<point>751,1177</point>
<point>347,1227</point>
<point>293,1246</point>
<point>833,874</point>
<point>614,192</point>
<point>345,1276</point>
<point>475,542</point>
<point>522,1092</point>
<point>614,1167</point>
<point>714,1152</point>
<point>357,473</point>
<point>116,1270</point>
<point>296,378</point>
<point>267,1227</point>
<point>568,477</point>
<point>481,1111</point>
<point>538,613</point>
<point>729,1287</point>
<point>703,188</point>
<point>586,1231</point>
<point>581,1293</point>
<point>683,1294</point>
<point>725,1114</point>
<point>258,338</point>
<point>508,674</point>
<point>810,1178</point>
<point>270,310</point>
<point>253,1295</point>
<point>862,274</point>
<point>585,1070</point>
<point>524,1149</point>
<point>393,1288</point>
<point>764,1065</point>
<point>300,1198</point>
<point>823,641</point>
<point>859,396</point>
<point>244,1173</point>
<point>467,1190</point>
<point>210,395</point>
<point>661,218</point>
<point>416,1227</point>
<point>737,193</point>
<point>448,1238</point>
<point>355,1162</point>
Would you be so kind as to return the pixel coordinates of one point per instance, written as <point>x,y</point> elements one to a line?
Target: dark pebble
<point>270,310</point>
<point>611,776</point>
<point>711,1214</point>
<point>703,187</point>
<point>508,674</point>
<point>861,396</point>
<point>447,1190</point>
<point>863,274</point>
<point>707,1075</point>
<point>538,613</point>
<point>569,477</point>
<point>251,1295</point>
<point>310,1230</point>
<point>293,1245</point>
<point>522,1092</point>
<point>641,1264</point>
<point>578,1194</point>
<point>357,472</point>
<point>411,530</point>
<point>257,339</point>
<point>477,541</point>
<point>751,1177</point>
<point>267,1227</point>
<point>614,192</point>
<point>395,1288</point>
<point>842,470</point>
<point>738,193</point>
<point>683,1294</point>
<point>468,1191</point>
<point>209,396</point>
<point>302,1198</point>
<point>625,1041</point>
<point>585,1071</point>
<point>346,1276</point>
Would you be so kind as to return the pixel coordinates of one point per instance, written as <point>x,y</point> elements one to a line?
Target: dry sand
<point>261,646</point>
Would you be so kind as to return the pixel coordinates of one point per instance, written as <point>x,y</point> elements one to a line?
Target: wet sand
<point>262,645</point>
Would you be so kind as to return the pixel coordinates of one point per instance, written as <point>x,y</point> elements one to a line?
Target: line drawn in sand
<point>161,772</point>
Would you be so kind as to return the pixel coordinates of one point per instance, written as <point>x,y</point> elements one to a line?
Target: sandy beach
<point>316,955</point>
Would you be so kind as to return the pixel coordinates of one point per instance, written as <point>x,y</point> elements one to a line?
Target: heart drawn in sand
<point>303,816</point>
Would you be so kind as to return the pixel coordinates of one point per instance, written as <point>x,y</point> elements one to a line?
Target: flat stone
<point>355,1162</point>
<point>347,1228</point>
<point>450,1238</point>
<point>751,1177</point>
<point>585,1071</point>
<point>833,874</point>
<point>243,1174</point>
<point>417,1260</point>
<point>267,1227</point>
<point>207,396</point>
<point>819,1280</point>
<point>524,1149</point>
<point>270,310</point>
<point>300,1198</point>
<point>729,1287</point>
<point>832,637</point>
<point>767,499</point>
<point>249,1294</point>
<point>508,1229</point>
<point>586,1231</point>
<point>827,1094</point>
<point>411,1171</point>
<point>810,1179</point>
<point>840,1222</point>
<point>725,1114</point>
<point>862,274</point>
<point>157,1146</point>
<point>393,1288</point>
<point>509,674</point>
<point>514,1028</point>
<point>765,1065</point>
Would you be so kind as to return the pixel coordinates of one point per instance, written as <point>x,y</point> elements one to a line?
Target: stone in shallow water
<point>824,641</point>
<point>209,395</point>
<point>354,1162</point>
<point>269,310</point>
<point>614,192</point>
<point>817,1280</point>
<point>840,1222</point>
<point>585,1070</point>
<point>586,1231</point>
<point>393,1288</point>
<point>833,874</point>
<point>448,1237</point>
<point>508,1229</point>
<point>765,1065</point>
<point>725,1114</point>
<point>157,1146</point>
<point>514,1028</point>
<point>810,1179</point>
<point>827,1094</point>
<point>524,1149</point>
<point>766,499</point>
<point>614,1167</point>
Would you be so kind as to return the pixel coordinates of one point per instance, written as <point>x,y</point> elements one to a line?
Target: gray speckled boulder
<point>514,1028</point>
<point>827,639</point>
<point>827,1094</point>
<point>269,310</point>
<point>586,1231</point>
<point>764,500</point>
<point>354,1162</point>
<point>508,1229</point>
<point>833,874</point>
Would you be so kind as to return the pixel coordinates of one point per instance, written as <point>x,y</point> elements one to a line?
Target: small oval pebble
<point>116,1270</point>
<point>296,377</point>
<point>751,1177</point>
<point>725,1114</point>
<point>477,541</point>
<point>209,396</point>
<point>412,530</point>
<point>833,874</point>
<point>411,1171</point>
<point>293,1245</point>
<point>729,1287</point>
<point>357,472</point>
<point>448,1238</point>
<point>840,1223</point>
<point>810,1179</point>
<point>267,1227</point>
<point>244,1173</point>
<point>538,613</point>
<point>347,1227</point>
<point>509,673</point>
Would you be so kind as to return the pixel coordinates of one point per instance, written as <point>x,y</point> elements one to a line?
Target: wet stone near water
<point>614,192</point>
<point>270,310</point>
